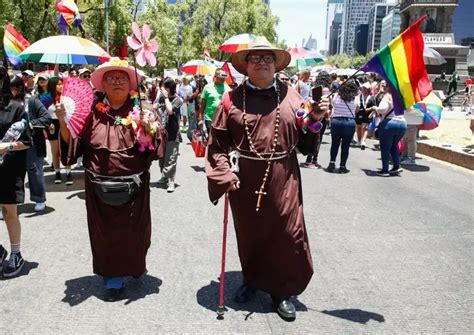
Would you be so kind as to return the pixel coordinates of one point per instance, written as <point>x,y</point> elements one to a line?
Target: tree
<point>185,29</point>
<point>33,19</point>
<point>344,61</point>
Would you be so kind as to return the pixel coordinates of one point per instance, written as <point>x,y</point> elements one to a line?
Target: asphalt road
<point>391,255</point>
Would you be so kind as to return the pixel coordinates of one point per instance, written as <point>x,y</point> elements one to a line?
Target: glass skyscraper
<point>355,12</point>
<point>463,23</point>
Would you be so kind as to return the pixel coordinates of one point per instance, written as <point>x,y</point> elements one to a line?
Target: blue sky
<point>299,18</point>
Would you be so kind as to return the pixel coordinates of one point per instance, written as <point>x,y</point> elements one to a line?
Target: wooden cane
<point>221,307</point>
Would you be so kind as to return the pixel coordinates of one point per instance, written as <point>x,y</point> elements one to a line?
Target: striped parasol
<point>238,42</point>
<point>199,67</point>
<point>64,49</point>
<point>303,57</point>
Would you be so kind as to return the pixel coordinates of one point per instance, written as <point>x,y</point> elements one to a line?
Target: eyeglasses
<point>119,80</point>
<point>255,59</point>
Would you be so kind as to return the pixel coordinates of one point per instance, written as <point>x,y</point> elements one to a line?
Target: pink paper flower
<point>144,46</point>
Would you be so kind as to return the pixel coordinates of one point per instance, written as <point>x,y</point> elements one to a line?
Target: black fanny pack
<point>115,191</point>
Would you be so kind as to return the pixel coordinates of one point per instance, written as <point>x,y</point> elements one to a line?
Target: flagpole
<point>344,83</point>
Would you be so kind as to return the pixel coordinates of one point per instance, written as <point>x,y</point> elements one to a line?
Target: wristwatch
<point>10,147</point>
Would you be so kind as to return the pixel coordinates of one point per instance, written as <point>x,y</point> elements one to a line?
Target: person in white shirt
<point>391,131</point>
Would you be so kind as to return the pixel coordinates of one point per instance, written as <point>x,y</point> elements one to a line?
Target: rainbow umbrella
<point>199,67</point>
<point>238,42</point>
<point>304,57</point>
<point>65,49</point>
<point>431,107</point>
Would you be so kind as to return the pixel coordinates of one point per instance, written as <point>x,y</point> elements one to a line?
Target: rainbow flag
<point>401,64</point>
<point>14,43</point>
<point>431,107</point>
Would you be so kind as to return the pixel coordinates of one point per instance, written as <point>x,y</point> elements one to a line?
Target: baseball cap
<point>84,70</point>
<point>28,73</point>
<point>43,76</point>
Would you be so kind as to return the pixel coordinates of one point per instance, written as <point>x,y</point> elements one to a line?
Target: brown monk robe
<point>119,236</point>
<point>273,245</point>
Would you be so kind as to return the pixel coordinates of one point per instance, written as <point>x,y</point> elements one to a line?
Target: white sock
<point>15,248</point>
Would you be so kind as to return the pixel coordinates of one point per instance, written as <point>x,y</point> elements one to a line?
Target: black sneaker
<point>14,266</point>
<point>69,178</point>
<point>3,256</point>
<point>382,173</point>
<point>343,170</point>
<point>57,178</point>
<point>395,171</point>
<point>331,167</point>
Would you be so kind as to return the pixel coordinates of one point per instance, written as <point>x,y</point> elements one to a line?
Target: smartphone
<point>317,93</point>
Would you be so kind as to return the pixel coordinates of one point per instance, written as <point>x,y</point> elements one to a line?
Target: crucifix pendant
<point>259,199</point>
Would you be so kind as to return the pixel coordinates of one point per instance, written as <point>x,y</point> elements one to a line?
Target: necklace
<point>261,192</point>
<point>104,107</point>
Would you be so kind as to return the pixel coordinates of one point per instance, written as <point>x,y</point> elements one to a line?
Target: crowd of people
<point>255,121</point>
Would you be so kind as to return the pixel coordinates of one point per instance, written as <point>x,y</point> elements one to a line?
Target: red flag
<point>230,79</point>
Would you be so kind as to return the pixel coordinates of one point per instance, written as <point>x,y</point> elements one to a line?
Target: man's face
<point>116,83</point>
<point>28,80</point>
<point>86,76</point>
<point>284,78</point>
<point>305,76</point>
<point>219,77</point>
<point>261,65</point>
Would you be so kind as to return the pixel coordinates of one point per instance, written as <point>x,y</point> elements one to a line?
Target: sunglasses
<point>118,80</point>
<point>86,76</point>
<point>255,59</point>
<point>285,79</point>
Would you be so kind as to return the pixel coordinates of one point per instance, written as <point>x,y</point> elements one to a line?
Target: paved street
<point>391,255</point>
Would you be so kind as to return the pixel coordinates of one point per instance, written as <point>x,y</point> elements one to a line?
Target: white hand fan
<point>77,98</point>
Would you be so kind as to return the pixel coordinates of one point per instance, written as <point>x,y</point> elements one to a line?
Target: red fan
<point>77,98</point>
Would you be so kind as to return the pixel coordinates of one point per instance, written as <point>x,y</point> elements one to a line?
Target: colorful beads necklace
<point>261,192</point>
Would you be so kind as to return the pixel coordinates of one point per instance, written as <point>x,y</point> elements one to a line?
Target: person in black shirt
<point>168,106</point>
<point>366,100</point>
<point>12,170</point>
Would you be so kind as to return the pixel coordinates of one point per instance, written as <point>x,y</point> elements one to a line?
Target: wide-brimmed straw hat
<point>239,59</point>
<point>115,64</point>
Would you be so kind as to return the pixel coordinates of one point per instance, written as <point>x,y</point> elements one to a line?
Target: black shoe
<point>362,147</point>
<point>343,170</point>
<point>331,167</point>
<point>114,294</point>
<point>3,256</point>
<point>285,309</point>
<point>14,265</point>
<point>244,294</point>
<point>395,171</point>
<point>69,178</point>
<point>57,178</point>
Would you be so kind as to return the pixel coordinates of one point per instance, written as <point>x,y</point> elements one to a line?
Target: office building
<point>361,38</point>
<point>376,15</point>
<point>354,12</point>
<point>390,27</point>
<point>463,23</point>
<point>334,34</point>
<point>333,7</point>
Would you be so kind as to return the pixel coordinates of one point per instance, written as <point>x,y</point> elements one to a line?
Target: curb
<point>448,154</point>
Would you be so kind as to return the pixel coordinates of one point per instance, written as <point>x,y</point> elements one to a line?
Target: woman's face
<point>43,83</point>
<point>116,84</point>
<point>14,91</point>
<point>59,87</point>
